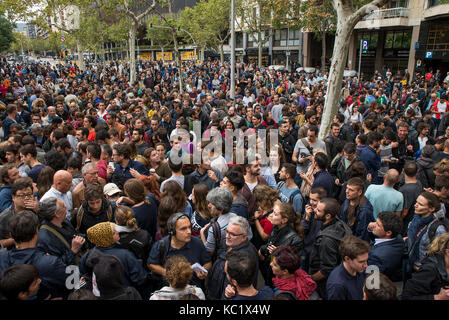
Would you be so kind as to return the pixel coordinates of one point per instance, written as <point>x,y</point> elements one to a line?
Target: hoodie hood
<point>240,201</point>
<point>426,163</point>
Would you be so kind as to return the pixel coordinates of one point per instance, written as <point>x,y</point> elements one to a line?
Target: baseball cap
<point>110,189</point>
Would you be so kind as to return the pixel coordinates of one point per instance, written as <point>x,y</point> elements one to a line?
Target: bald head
<point>62,181</point>
<point>391,178</point>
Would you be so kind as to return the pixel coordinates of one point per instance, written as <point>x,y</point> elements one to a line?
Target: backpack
<point>434,226</point>
<point>80,214</point>
<point>217,235</point>
<point>292,196</point>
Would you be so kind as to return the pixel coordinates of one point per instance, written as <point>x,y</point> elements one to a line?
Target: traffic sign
<point>429,54</point>
<point>365,46</point>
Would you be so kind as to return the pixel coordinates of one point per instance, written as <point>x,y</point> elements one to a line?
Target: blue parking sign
<point>365,45</point>
<point>429,54</point>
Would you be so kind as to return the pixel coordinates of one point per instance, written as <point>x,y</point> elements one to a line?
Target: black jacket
<point>138,242</point>
<point>216,277</point>
<point>282,237</point>
<point>428,281</point>
<point>325,254</point>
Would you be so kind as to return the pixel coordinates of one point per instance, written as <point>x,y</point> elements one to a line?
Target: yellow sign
<point>187,55</point>
<point>167,55</point>
<point>146,56</point>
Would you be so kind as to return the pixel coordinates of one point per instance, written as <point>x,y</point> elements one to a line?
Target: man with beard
<point>325,256</point>
<point>286,140</point>
<point>137,136</point>
<point>310,118</point>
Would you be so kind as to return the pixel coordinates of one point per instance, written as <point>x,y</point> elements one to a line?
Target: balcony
<point>388,14</point>
<point>385,18</point>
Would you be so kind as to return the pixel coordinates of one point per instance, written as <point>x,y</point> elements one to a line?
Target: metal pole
<point>360,57</point>
<point>287,52</point>
<point>232,51</point>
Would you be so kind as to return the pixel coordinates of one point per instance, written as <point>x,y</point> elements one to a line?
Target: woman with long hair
<point>90,123</point>
<point>145,211</point>
<point>132,237</point>
<point>166,208</point>
<point>173,189</point>
<point>287,230</point>
<point>44,180</point>
<point>201,215</point>
<point>161,169</point>
<point>431,280</point>
<point>265,198</point>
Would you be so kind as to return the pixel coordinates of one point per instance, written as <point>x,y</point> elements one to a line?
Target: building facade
<point>405,35</point>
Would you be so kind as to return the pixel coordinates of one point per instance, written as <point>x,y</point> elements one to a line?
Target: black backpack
<point>434,226</point>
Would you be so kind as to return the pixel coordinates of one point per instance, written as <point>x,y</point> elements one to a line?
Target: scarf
<point>301,284</point>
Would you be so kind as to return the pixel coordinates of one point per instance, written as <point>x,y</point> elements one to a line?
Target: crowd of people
<point>90,178</point>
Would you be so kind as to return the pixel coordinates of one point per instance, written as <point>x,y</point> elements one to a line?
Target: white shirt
<point>379,241</point>
<point>64,197</point>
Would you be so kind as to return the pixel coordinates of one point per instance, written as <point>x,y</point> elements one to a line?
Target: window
<point>373,39</point>
<point>438,37</point>
<point>433,3</point>
<point>399,4</point>
<point>389,40</point>
<point>286,37</point>
<point>397,40</point>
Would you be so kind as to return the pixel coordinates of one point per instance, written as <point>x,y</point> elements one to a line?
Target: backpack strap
<point>79,218</point>
<point>57,234</point>
<point>434,226</point>
<point>280,186</point>
<point>162,252</point>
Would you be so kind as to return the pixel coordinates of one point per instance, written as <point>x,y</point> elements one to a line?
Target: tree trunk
<point>221,54</point>
<point>323,55</point>
<point>339,57</point>
<point>132,52</point>
<point>80,55</point>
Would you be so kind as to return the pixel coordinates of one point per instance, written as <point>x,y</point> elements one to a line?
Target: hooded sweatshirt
<point>425,172</point>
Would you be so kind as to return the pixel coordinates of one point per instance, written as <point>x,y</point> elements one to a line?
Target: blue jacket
<point>371,160</point>
<point>122,174</point>
<point>49,243</point>
<point>5,197</point>
<point>51,269</point>
<point>365,216</point>
<point>388,257</point>
<point>325,180</point>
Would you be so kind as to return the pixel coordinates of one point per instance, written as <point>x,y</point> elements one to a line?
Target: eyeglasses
<point>233,234</point>
<point>28,195</point>
<point>94,173</point>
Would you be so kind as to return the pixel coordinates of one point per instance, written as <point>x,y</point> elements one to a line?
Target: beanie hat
<point>101,234</point>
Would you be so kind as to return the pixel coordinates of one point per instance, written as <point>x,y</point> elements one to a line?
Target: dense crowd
<point>101,174</point>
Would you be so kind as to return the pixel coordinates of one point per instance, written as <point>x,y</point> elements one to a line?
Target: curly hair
<point>178,272</point>
<point>265,196</point>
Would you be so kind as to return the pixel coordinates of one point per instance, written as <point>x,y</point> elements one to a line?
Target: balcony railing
<point>388,14</point>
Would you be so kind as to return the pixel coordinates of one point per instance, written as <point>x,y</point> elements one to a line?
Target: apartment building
<point>406,34</point>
